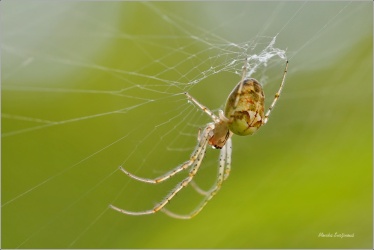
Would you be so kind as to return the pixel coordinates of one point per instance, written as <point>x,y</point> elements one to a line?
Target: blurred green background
<point>89,86</point>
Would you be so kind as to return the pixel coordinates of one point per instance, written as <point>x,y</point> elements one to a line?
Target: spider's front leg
<point>184,166</point>
<point>195,163</point>
<point>202,107</point>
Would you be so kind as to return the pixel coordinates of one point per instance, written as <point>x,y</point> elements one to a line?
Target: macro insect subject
<point>244,114</point>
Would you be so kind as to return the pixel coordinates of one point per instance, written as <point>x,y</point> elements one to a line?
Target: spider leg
<point>202,107</point>
<point>198,189</point>
<point>173,172</point>
<point>244,75</point>
<point>224,167</point>
<point>195,167</point>
<point>176,190</point>
<point>228,159</point>
<point>276,95</point>
<point>226,173</point>
<point>169,174</point>
<point>203,192</point>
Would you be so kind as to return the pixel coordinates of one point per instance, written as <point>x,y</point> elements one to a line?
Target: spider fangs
<point>243,115</point>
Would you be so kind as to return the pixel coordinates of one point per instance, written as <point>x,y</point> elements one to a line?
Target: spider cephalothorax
<point>243,115</point>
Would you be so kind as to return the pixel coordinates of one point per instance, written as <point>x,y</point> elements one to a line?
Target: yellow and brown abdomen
<point>245,107</point>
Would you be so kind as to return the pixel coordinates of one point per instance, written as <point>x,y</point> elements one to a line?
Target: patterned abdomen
<point>247,115</point>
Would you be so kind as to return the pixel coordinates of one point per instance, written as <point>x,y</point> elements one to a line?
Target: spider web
<point>91,86</point>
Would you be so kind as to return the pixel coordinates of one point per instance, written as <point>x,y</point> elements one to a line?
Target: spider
<point>243,115</point>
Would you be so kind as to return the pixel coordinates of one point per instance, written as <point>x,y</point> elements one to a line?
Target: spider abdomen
<point>247,115</point>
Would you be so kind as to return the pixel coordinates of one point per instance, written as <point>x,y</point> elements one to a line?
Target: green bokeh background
<point>81,95</point>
